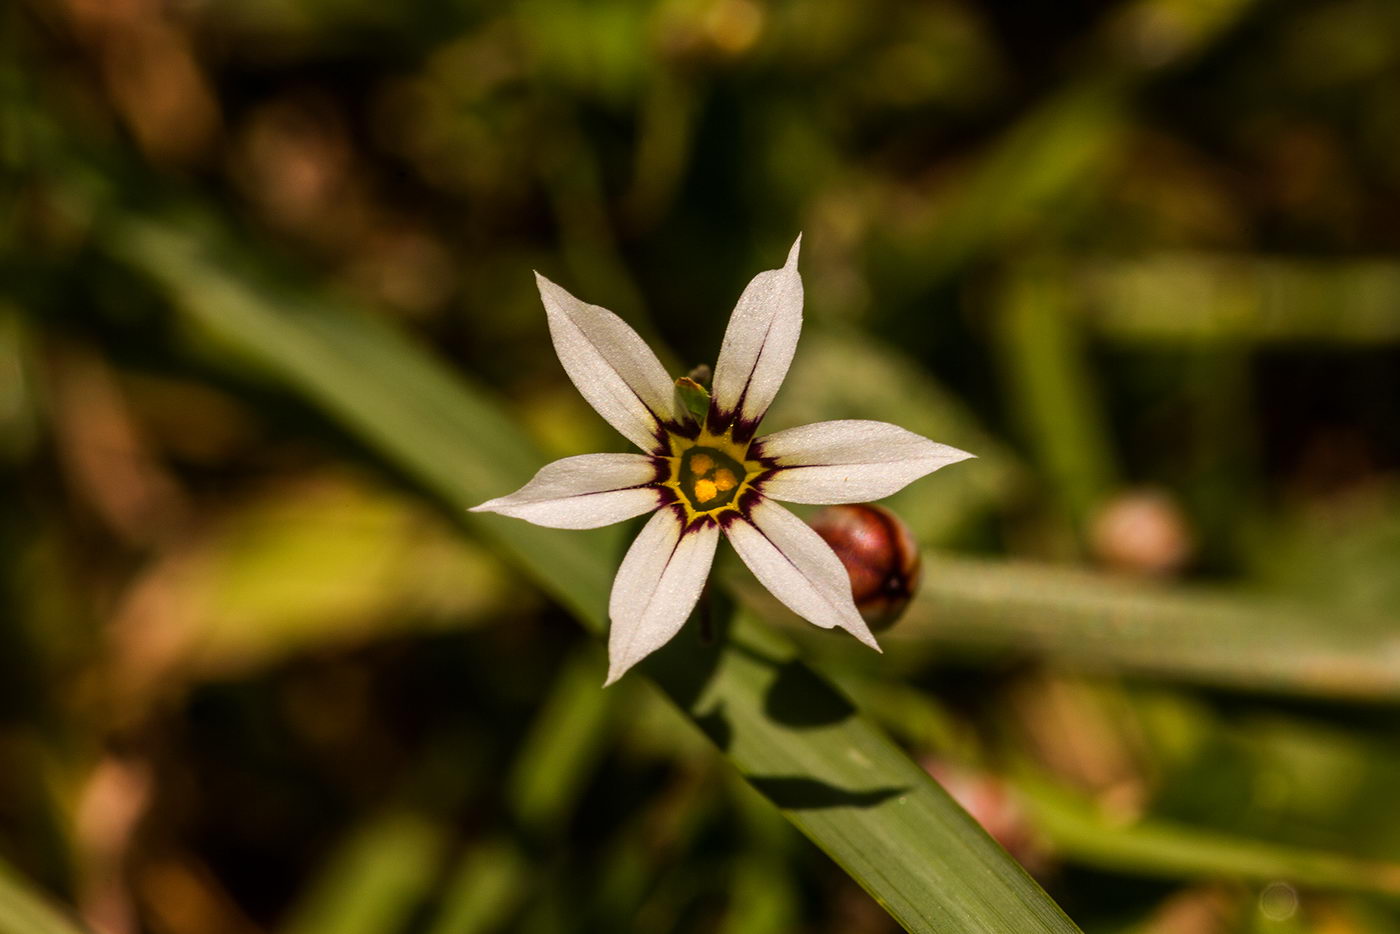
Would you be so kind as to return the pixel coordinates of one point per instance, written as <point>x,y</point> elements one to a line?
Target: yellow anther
<point>701,464</point>
<point>705,490</point>
<point>724,480</point>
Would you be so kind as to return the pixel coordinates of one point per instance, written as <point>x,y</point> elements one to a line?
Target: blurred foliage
<point>1139,256</point>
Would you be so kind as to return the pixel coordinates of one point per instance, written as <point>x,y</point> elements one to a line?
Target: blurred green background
<point>255,674</point>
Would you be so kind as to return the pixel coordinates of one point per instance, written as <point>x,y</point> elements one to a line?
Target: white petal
<point>759,344</point>
<point>610,364</point>
<point>583,492</point>
<point>850,461</point>
<point>800,569</point>
<point>656,588</point>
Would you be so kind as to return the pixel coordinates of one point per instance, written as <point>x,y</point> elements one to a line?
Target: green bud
<point>692,397</point>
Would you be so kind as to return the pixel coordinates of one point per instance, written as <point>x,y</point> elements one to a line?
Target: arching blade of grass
<point>559,753</point>
<point>1094,622</point>
<point>835,775</point>
<point>375,881</point>
<point>1156,846</point>
<point>1043,363</point>
<point>488,883</point>
<point>24,911</point>
<point>1200,299</point>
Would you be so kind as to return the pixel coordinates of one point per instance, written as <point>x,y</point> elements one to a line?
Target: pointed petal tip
<point>618,667</point>
<point>493,505</point>
<point>793,252</point>
<point>548,289</point>
<point>866,637</point>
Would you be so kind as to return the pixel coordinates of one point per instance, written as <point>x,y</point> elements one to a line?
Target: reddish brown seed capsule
<point>880,555</point>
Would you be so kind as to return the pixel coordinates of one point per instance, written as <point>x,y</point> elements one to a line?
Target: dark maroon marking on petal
<point>755,453</point>
<point>686,429</point>
<point>662,466</point>
<point>744,429</point>
<point>741,430</point>
<point>729,517</point>
<point>665,430</point>
<point>669,497</point>
<point>679,511</point>
<point>662,434</point>
<point>756,482</point>
<point>769,463</point>
<point>717,421</point>
<point>698,523</point>
<point>747,500</point>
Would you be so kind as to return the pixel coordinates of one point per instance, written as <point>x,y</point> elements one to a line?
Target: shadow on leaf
<point>716,726</point>
<point>805,794</point>
<point>800,698</point>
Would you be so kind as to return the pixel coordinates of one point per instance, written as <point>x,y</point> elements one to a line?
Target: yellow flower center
<point>709,473</point>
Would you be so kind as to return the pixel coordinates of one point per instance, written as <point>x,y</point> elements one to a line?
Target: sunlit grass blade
<point>1202,298</point>
<point>1048,381</point>
<point>1155,846</point>
<point>559,753</point>
<point>490,883</point>
<point>763,892</point>
<point>23,910</point>
<point>375,881</point>
<point>1094,622</point>
<point>762,899</point>
<point>839,779</point>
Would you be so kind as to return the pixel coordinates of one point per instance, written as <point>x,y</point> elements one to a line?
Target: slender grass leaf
<point>1160,847</point>
<point>1094,622</point>
<point>762,900</point>
<point>558,755</point>
<point>1205,299</point>
<point>487,887</point>
<point>1048,381</point>
<point>375,881</point>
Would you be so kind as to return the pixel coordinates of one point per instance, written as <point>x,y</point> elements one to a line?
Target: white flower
<point>699,479</point>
